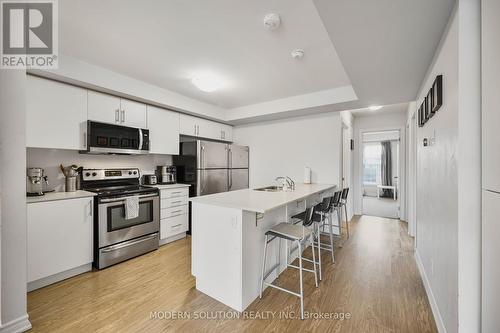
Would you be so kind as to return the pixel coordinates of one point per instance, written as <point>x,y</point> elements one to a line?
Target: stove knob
<point>130,172</point>
<point>87,174</point>
<point>135,172</point>
<point>94,174</point>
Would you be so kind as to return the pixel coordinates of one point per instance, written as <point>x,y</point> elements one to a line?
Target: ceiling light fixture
<point>374,107</point>
<point>272,21</point>
<point>207,82</point>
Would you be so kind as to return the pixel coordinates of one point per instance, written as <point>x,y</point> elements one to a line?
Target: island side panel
<point>216,252</point>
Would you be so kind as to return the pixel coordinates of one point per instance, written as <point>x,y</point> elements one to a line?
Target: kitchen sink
<point>271,189</point>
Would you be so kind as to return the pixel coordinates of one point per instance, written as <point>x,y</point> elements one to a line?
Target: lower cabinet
<point>60,238</point>
<point>174,213</point>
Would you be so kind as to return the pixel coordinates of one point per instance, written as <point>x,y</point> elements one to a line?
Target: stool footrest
<point>282,289</point>
<point>304,269</point>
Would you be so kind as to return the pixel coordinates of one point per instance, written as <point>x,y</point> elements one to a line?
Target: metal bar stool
<point>343,203</point>
<point>327,216</point>
<point>295,233</point>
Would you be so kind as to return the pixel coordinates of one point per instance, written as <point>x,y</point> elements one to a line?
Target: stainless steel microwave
<point>102,138</point>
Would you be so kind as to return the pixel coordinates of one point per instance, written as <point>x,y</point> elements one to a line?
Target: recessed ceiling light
<point>374,107</point>
<point>272,21</point>
<point>207,82</point>
<point>297,54</point>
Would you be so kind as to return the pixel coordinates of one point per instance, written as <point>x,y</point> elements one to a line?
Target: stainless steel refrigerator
<point>212,167</point>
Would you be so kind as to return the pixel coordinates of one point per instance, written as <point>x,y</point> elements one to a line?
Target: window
<point>372,162</point>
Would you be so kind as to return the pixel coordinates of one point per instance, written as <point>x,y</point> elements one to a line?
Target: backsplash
<point>49,160</point>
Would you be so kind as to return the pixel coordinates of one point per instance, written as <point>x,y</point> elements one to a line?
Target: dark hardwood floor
<point>374,281</point>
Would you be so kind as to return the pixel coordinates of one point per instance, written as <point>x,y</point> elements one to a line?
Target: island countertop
<point>260,201</point>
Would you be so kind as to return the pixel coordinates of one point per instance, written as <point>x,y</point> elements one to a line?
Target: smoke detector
<point>272,21</point>
<point>297,54</point>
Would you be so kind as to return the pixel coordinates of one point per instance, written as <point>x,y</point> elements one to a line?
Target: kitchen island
<point>228,236</point>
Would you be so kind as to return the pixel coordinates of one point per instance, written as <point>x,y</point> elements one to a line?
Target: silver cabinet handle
<point>194,129</point>
<point>117,116</point>
<point>141,139</point>
<point>90,207</point>
<point>177,211</point>
<point>177,225</point>
<point>176,202</point>
<point>85,140</point>
<point>123,116</point>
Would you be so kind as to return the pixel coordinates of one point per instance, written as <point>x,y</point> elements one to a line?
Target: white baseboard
<point>40,283</point>
<point>21,324</point>
<point>172,239</point>
<point>432,300</point>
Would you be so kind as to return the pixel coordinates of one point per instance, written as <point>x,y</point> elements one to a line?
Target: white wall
<point>49,160</point>
<point>285,147</point>
<point>448,178</point>
<point>13,315</point>
<point>370,123</point>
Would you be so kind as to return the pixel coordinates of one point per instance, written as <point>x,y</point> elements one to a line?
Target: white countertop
<point>260,201</point>
<point>168,186</point>
<point>53,196</point>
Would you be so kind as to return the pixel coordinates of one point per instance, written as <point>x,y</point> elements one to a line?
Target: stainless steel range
<point>116,237</point>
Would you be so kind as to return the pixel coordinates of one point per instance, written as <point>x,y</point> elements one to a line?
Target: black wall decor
<point>352,144</point>
<point>432,102</point>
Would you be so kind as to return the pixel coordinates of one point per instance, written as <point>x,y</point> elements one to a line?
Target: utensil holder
<point>70,184</point>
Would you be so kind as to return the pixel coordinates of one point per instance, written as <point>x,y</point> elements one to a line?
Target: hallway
<point>375,280</point>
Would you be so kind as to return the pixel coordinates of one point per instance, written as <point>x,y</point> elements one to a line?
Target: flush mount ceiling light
<point>272,21</point>
<point>297,54</point>
<point>374,107</point>
<point>207,82</point>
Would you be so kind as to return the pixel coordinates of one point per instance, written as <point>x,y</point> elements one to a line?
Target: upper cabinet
<point>115,110</point>
<point>203,128</point>
<point>56,114</point>
<point>163,128</point>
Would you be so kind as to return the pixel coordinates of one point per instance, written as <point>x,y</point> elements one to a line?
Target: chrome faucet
<point>288,183</point>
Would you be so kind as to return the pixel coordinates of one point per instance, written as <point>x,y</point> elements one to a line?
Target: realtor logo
<point>29,34</point>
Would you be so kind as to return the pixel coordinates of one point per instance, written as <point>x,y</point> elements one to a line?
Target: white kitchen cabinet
<point>103,107</point>
<point>203,128</point>
<point>133,113</point>
<point>115,110</point>
<point>56,114</point>
<point>60,236</point>
<point>174,210</point>
<point>163,128</point>
<point>188,125</point>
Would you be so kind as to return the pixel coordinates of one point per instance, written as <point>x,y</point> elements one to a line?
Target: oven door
<point>115,228</point>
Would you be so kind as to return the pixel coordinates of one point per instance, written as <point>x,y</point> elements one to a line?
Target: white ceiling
<point>385,46</point>
<point>394,108</point>
<point>166,42</point>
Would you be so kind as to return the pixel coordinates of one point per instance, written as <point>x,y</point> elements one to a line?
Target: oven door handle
<point>123,198</point>
<point>128,243</point>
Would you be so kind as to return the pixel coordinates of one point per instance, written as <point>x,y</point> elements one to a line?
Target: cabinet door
<point>56,114</point>
<point>210,129</point>
<point>163,131</point>
<point>227,132</point>
<point>133,113</point>
<point>104,108</point>
<point>188,125</point>
<point>60,236</point>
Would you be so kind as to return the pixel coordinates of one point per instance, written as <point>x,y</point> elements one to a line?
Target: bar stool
<point>343,203</point>
<point>295,233</point>
<point>326,206</point>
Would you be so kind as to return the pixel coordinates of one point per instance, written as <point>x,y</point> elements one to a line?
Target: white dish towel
<point>131,207</point>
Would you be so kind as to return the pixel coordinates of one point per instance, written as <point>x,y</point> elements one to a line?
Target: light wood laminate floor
<point>374,279</point>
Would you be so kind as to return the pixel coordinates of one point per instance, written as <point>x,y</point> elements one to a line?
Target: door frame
<point>401,166</point>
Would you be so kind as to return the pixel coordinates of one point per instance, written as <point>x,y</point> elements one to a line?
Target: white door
<point>227,133</point>
<point>56,115</point>
<point>57,243</point>
<point>133,113</point>
<point>163,131</point>
<point>103,108</point>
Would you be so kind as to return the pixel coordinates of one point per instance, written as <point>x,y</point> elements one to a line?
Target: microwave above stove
<point>102,138</point>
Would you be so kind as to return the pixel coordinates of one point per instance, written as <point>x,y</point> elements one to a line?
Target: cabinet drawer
<point>173,226</point>
<point>173,211</point>
<point>174,202</point>
<point>174,193</point>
